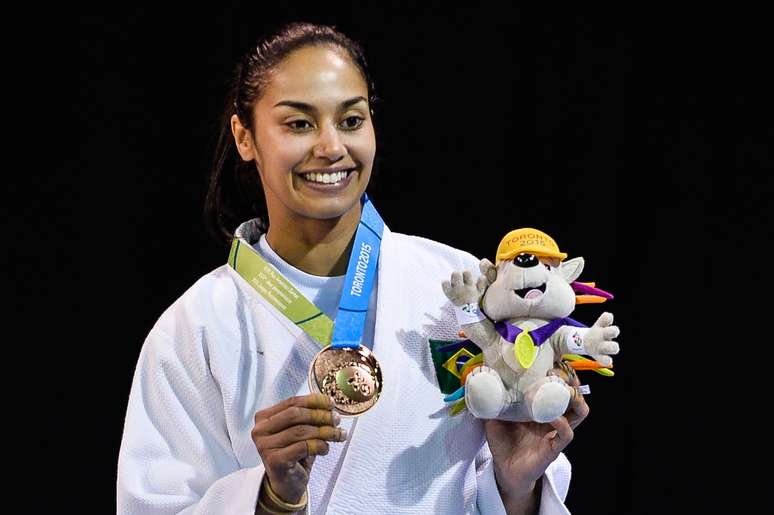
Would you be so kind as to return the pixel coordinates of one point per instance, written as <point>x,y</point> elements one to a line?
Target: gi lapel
<point>363,467</point>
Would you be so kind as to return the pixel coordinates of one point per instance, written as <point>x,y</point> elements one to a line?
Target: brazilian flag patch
<point>449,356</point>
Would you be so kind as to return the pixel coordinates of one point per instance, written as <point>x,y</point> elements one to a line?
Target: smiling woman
<point>306,92</point>
<point>313,145</point>
<point>233,401</point>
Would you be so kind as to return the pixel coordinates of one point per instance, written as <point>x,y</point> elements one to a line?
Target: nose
<point>329,144</point>
<point>525,260</point>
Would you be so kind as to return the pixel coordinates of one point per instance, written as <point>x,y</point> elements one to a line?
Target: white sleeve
<point>556,482</point>
<point>176,455</point>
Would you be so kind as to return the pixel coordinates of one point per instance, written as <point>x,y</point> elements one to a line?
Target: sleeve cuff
<point>235,493</point>
<point>555,484</point>
<point>488,497</point>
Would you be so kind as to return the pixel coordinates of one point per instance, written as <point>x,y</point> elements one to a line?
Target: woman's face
<point>312,121</point>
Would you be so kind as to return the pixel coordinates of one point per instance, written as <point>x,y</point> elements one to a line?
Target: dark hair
<point>234,193</point>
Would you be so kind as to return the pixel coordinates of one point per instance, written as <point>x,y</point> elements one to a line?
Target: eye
<point>548,267</point>
<point>293,125</point>
<point>356,120</point>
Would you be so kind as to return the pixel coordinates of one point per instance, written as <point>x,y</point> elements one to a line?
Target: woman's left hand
<point>523,450</point>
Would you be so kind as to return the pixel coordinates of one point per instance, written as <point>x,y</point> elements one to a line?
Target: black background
<point>638,138</point>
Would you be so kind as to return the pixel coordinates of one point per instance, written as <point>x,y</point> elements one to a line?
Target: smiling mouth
<point>328,177</point>
<point>531,292</point>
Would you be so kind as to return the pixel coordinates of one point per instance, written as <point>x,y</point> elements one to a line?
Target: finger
<point>574,379</point>
<point>295,416</point>
<point>608,348</point>
<point>604,320</point>
<point>559,372</point>
<point>456,280</point>
<point>608,333</point>
<point>287,456</point>
<point>467,277</point>
<point>577,410</point>
<point>561,435</point>
<point>482,283</point>
<point>488,269</point>
<point>312,400</point>
<point>565,372</point>
<point>300,433</point>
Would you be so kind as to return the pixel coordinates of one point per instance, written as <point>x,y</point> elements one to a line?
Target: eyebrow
<point>310,108</point>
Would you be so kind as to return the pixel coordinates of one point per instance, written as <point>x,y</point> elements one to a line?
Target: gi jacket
<point>220,353</point>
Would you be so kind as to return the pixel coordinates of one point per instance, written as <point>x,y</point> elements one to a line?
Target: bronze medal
<point>351,377</point>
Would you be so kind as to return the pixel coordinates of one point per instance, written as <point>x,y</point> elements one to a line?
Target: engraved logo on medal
<point>351,377</point>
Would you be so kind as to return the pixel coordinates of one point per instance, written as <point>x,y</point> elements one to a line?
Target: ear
<point>243,139</point>
<point>571,269</point>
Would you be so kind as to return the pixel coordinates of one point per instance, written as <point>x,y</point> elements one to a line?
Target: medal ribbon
<point>347,331</point>
<point>509,331</point>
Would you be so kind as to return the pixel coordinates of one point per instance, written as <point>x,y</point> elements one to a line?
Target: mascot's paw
<point>599,339</point>
<point>461,288</point>
<point>485,394</point>
<point>550,400</point>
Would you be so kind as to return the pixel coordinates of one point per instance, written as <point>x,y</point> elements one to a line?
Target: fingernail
<point>336,418</point>
<point>343,434</point>
<point>552,434</point>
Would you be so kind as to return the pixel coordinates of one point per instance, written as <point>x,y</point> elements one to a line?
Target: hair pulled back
<point>234,193</point>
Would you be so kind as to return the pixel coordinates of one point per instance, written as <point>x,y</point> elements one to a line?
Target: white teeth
<point>326,178</point>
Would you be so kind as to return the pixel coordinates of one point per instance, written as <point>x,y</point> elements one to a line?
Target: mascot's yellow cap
<point>528,240</point>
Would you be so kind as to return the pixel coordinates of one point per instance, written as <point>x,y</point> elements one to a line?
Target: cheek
<point>284,156</point>
<point>372,145</point>
<point>499,302</point>
<point>364,146</point>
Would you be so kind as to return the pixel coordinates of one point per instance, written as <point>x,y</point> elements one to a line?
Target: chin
<point>330,208</point>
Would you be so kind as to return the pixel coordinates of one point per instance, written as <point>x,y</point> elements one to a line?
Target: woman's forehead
<point>315,75</point>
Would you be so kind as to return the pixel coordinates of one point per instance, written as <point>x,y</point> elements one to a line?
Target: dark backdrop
<point>638,138</point>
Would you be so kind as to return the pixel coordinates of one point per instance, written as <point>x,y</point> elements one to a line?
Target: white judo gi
<point>220,353</point>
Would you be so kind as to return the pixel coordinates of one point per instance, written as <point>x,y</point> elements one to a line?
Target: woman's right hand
<point>289,435</point>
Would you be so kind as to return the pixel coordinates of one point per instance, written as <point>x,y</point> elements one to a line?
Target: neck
<point>318,247</point>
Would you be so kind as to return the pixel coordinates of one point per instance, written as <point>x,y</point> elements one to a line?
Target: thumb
<point>488,269</point>
<point>604,320</point>
<point>308,462</point>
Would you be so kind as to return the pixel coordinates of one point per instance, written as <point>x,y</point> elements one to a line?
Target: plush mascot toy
<point>515,319</point>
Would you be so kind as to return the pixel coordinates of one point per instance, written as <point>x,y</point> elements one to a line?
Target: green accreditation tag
<point>525,349</point>
<point>279,292</point>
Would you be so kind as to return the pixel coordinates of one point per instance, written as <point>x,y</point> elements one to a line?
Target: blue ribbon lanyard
<point>359,281</point>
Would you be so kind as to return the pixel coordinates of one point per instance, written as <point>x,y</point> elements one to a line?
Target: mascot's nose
<point>525,260</point>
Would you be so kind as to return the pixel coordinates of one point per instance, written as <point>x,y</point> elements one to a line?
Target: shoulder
<point>211,301</point>
<point>198,336</point>
<point>425,251</point>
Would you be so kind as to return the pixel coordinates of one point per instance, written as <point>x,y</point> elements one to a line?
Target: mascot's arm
<point>595,341</point>
<point>483,334</point>
<point>464,294</point>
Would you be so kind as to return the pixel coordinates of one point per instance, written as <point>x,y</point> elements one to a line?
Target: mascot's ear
<point>571,269</point>
<point>488,270</point>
